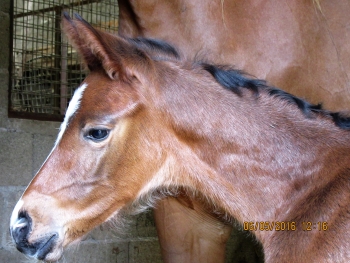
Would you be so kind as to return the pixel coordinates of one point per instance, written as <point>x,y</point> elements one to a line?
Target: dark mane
<point>236,80</point>
<point>155,46</point>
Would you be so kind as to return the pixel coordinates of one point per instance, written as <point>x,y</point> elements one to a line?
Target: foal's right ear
<point>118,57</point>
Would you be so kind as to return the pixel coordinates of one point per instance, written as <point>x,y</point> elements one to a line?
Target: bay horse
<point>301,46</point>
<point>147,123</point>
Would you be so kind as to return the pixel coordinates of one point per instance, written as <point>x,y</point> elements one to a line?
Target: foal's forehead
<point>101,99</point>
<point>104,95</point>
<point>99,83</point>
<point>97,97</point>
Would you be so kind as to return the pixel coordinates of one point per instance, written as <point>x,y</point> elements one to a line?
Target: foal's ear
<point>118,57</point>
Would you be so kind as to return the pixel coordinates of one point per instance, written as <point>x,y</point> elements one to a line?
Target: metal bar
<point>11,60</point>
<point>63,89</point>
<point>57,58</point>
<point>48,70</point>
<point>64,6</point>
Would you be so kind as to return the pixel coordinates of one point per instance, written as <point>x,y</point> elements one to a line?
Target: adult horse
<point>147,123</point>
<point>300,46</point>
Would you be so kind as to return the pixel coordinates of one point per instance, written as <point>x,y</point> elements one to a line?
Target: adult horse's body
<point>146,123</point>
<point>302,46</point>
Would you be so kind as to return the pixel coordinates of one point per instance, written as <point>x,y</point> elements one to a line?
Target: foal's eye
<point>97,134</point>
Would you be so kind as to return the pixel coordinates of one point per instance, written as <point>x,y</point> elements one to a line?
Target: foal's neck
<point>260,161</point>
<point>259,158</point>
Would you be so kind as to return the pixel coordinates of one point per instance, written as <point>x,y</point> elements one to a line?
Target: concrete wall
<point>24,145</point>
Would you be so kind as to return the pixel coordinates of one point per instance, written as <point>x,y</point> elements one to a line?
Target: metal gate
<point>45,69</point>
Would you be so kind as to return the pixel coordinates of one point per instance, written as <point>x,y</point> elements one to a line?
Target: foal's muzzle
<point>20,232</point>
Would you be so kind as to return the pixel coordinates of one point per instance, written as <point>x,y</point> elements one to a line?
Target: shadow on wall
<point>242,247</point>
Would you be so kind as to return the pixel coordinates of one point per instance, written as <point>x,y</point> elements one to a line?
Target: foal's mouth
<point>46,246</point>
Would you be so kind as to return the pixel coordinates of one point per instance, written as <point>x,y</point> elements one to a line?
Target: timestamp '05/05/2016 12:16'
<point>284,226</point>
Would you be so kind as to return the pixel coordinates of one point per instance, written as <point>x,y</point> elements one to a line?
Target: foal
<point>145,123</point>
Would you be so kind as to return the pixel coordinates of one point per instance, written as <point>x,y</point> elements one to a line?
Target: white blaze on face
<point>72,108</point>
<point>14,215</point>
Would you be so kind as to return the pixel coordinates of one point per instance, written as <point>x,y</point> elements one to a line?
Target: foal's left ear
<point>118,57</point>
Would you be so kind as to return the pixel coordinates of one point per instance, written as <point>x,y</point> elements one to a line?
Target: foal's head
<point>145,119</point>
<point>107,150</point>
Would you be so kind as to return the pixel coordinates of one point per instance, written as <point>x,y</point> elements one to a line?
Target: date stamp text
<point>284,226</point>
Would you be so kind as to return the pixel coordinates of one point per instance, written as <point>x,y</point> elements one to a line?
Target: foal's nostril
<point>21,228</point>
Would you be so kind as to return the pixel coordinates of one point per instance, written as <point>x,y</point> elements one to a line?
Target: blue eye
<point>97,134</point>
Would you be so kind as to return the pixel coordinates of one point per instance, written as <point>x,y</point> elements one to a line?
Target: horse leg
<point>189,234</point>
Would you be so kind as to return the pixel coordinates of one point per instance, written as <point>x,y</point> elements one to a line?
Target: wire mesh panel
<point>45,69</point>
